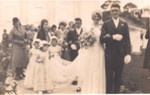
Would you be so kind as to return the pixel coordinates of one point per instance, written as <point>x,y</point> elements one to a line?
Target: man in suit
<point>115,37</point>
<point>72,38</point>
<point>74,47</point>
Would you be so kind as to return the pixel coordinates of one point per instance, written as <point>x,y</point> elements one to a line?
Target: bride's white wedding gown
<point>89,66</point>
<point>93,66</point>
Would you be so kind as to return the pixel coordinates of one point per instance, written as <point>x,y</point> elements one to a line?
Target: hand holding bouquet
<point>40,59</point>
<point>87,39</point>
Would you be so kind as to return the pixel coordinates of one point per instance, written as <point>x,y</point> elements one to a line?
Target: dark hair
<point>115,5</point>
<point>54,26</point>
<point>70,22</point>
<point>41,34</point>
<point>78,19</point>
<point>5,30</point>
<point>42,23</point>
<point>15,20</point>
<point>62,24</point>
<point>36,30</point>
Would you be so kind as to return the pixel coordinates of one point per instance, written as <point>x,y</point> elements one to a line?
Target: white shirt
<point>116,22</point>
<point>78,30</point>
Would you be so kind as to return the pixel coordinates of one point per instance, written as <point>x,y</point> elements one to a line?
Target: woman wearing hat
<point>43,33</point>
<point>17,37</point>
<point>92,69</point>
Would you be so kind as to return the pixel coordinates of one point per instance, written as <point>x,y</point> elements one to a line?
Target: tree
<point>130,5</point>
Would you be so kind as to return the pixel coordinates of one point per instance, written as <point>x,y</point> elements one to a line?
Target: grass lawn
<point>135,77</point>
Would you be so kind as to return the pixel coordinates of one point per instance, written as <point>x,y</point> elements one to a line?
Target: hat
<point>36,41</point>
<point>43,42</point>
<point>54,37</point>
<point>96,12</point>
<point>14,20</point>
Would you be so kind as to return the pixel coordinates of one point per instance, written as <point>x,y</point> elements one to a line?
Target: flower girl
<point>33,53</point>
<point>36,76</point>
<point>59,75</point>
<point>41,83</point>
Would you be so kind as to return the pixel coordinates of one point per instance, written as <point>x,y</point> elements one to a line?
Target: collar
<point>115,20</point>
<point>78,28</point>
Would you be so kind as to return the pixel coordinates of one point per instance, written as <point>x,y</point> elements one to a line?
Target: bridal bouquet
<point>87,39</point>
<point>40,59</point>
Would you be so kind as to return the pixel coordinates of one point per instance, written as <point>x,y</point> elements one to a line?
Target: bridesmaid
<point>61,34</point>
<point>43,33</point>
<point>53,30</point>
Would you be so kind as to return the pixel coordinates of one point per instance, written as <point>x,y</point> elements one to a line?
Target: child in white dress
<point>42,82</point>
<point>40,76</point>
<point>59,76</point>
<point>30,72</point>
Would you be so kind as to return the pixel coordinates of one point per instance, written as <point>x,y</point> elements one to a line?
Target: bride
<point>93,64</point>
<point>90,62</point>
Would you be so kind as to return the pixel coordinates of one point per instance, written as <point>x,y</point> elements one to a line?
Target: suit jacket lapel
<point>119,25</point>
<point>113,24</point>
<point>75,31</point>
<point>81,31</point>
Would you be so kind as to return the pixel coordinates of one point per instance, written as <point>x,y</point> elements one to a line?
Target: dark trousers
<point>19,71</point>
<point>114,69</point>
<point>73,54</point>
<point>66,55</point>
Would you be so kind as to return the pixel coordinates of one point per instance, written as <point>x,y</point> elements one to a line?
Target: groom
<point>73,40</point>
<point>115,36</point>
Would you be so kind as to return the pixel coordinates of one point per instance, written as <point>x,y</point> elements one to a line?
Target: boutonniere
<point>122,24</point>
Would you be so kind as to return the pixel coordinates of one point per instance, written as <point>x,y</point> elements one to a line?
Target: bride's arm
<point>105,36</point>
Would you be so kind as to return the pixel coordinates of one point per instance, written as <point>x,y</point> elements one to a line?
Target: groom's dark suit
<point>72,38</point>
<point>115,52</point>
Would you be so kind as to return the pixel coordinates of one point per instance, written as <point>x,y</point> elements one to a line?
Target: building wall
<point>32,11</point>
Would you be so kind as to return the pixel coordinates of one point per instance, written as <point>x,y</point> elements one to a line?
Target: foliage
<point>130,5</point>
<point>130,18</point>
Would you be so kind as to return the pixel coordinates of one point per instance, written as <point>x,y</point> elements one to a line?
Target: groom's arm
<point>127,58</point>
<point>105,36</point>
<point>127,40</point>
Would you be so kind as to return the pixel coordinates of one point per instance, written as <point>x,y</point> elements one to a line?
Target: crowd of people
<point>50,58</point>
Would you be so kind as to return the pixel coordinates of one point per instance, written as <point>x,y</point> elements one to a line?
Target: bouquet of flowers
<point>87,39</point>
<point>10,85</point>
<point>40,59</point>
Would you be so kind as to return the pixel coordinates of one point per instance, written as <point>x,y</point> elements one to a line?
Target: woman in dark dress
<point>43,33</point>
<point>147,51</point>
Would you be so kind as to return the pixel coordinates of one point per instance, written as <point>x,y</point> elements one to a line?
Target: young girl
<point>41,82</point>
<point>30,72</point>
<point>61,72</point>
